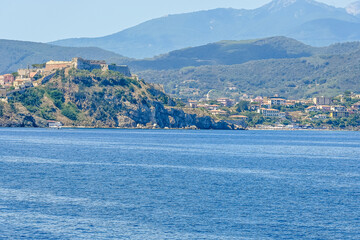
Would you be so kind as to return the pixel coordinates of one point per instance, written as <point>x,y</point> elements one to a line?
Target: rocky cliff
<point>80,98</point>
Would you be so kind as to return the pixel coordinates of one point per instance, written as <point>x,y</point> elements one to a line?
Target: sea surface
<point>170,184</point>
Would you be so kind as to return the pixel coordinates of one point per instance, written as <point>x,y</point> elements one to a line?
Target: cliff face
<point>99,99</point>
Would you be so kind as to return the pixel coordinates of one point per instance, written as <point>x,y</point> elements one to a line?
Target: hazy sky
<point>47,20</point>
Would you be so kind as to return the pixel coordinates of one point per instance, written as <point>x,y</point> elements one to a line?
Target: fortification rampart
<point>121,69</point>
<point>89,65</point>
<point>53,65</point>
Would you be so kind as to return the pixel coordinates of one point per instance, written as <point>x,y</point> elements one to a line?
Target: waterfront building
<point>54,124</point>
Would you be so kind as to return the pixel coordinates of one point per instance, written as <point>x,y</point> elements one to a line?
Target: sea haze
<point>158,184</point>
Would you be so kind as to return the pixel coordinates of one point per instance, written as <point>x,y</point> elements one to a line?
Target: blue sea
<point>173,184</point>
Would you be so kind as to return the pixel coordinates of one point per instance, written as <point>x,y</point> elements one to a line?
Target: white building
<point>266,112</point>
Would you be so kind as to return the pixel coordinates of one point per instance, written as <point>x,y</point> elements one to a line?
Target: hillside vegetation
<point>227,53</point>
<point>295,78</point>
<point>238,52</point>
<point>99,99</point>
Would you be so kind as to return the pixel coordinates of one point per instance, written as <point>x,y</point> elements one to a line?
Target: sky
<point>47,20</point>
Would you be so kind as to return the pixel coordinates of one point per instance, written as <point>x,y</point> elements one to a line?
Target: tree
<point>42,65</point>
<point>15,74</point>
<point>347,93</point>
<point>242,106</point>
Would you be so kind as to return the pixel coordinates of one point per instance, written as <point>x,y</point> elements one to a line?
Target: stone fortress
<point>89,65</point>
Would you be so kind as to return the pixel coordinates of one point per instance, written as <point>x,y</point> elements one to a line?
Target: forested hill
<point>238,52</point>
<point>99,99</point>
<point>294,78</point>
<point>227,53</point>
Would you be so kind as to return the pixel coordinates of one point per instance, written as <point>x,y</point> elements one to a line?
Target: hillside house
<point>324,108</point>
<point>268,112</point>
<point>276,101</point>
<point>338,108</point>
<point>311,109</point>
<point>28,73</point>
<point>282,114</point>
<point>7,79</point>
<point>209,107</point>
<point>22,82</point>
<point>258,99</point>
<point>226,102</point>
<point>339,114</point>
<point>290,103</point>
<point>218,112</point>
<point>192,103</point>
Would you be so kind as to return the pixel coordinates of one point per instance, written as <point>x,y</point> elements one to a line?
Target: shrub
<point>70,111</point>
<point>31,98</point>
<point>1,109</point>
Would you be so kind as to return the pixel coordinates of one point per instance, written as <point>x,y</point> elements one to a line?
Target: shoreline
<point>186,129</point>
<point>301,129</point>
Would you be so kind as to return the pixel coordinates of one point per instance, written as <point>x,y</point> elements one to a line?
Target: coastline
<point>301,129</point>
<point>189,128</point>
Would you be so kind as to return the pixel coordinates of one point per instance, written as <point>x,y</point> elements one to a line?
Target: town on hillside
<point>40,73</point>
<point>340,112</point>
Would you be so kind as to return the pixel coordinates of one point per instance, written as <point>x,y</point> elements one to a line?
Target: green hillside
<point>227,53</point>
<point>99,99</point>
<point>261,66</point>
<point>238,52</point>
<point>293,78</point>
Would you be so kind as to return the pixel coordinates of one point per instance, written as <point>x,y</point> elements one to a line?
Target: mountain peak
<point>354,8</point>
<point>286,3</point>
<point>283,3</point>
<point>277,5</point>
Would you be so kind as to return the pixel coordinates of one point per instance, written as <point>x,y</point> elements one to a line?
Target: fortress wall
<point>89,65</point>
<point>82,64</point>
<point>53,65</point>
<point>121,69</point>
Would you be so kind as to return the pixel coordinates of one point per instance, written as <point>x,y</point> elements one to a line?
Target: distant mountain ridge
<point>260,67</point>
<point>20,54</point>
<point>304,20</point>
<point>239,52</point>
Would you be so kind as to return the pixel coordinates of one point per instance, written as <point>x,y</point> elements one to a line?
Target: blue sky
<point>47,20</point>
